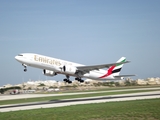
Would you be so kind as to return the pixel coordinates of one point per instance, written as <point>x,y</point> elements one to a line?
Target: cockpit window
<point>20,55</point>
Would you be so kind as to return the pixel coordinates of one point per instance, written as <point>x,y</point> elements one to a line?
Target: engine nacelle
<point>69,69</point>
<point>49,73</point>
<point>122,78</point>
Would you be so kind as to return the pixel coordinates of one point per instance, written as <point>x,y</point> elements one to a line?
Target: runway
<point>25,96</point>
<point>88,100</point>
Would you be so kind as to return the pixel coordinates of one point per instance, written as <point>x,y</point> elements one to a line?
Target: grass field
<point>126,110</point>
<point>17,101</point>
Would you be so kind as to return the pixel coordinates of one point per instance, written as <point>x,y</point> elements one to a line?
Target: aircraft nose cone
<point>16,57</point>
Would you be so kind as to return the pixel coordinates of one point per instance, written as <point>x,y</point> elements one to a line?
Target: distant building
<point>141,82</point>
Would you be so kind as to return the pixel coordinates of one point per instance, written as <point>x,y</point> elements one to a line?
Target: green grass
<point>17,101</point>
<point>126,110</point>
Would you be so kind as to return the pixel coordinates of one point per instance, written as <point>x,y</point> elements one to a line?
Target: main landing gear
<point>67,79</point>
<point>25,67</point>
<point>79,79</point>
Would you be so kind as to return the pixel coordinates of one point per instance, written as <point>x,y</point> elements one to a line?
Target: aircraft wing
<point>86,69</point>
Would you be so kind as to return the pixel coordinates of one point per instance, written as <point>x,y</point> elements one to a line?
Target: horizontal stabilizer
<point>124,76</point>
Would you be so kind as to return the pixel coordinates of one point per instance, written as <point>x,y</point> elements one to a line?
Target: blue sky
<point>85,31</point>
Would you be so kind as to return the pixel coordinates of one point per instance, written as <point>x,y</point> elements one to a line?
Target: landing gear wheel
<point>67,79</point>
<point>69,82</point>
<point>79,80</point>
<point>25,67</point>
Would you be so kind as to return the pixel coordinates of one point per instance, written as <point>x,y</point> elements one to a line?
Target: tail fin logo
<point>115,69</point>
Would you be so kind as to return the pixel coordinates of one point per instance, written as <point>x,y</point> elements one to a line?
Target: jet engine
<point>122,78</point>
<point>69,69</point>
<point>49,73</point>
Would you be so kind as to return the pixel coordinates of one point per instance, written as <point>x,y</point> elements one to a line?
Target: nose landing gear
<point>25,67</point>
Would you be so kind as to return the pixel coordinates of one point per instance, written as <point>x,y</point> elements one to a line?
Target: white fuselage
<point>54,64</point>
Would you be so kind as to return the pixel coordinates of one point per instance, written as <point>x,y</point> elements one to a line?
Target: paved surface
<point>23,96</point>
<point>88,100</point>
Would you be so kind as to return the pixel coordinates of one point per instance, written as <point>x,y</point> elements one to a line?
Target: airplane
<point>53,66</point>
